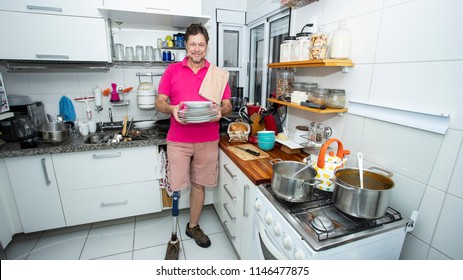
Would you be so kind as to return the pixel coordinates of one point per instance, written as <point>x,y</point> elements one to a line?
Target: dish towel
<point>164,172</point>
<point>214,84</point>
<point>66,109</point>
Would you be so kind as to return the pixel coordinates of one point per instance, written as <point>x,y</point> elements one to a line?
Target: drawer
<point>104,168</point>
<point>105,203</point>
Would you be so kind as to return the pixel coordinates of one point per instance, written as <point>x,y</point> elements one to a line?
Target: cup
<point>119,52</point>
<point>91,126</point>
<point>168,56</point>
<point>83,129</point>
<point>129,54</point>
<point>139,53</point>
<point>149,54</point>
<point>157,54</point>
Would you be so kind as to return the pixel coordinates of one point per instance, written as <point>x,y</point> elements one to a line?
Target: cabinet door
<point>180,7</point>
<point>247,222</point>
<point>57,7</point>
<point>49,37</point>
<point>36,192</point>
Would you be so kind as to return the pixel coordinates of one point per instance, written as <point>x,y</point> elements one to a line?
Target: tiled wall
<point>407,54</point>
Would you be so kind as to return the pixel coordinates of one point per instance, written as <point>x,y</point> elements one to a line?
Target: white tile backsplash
<point>448,238</point>
<point>414,249</point>
<point>456,182</point>
<point>429,212</point>
<point>335,10</point>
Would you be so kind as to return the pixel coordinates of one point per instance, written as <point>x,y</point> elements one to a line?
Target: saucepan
<point>293,181</point>
<point>54,132</point>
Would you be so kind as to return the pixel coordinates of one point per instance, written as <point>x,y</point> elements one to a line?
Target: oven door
<point>264,247</point>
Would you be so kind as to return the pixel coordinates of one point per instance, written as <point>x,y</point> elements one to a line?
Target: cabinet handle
<point>225,205</point>
<point>229,171</point>
<point>233,198</point>
<point>44,8</point>
<point>157,9</point>
<point>45,172</point>
<point>114,203</point>
<point>52,56</point>
<point>245,201</point>
<point>232,237</point>
<point>110,155</point>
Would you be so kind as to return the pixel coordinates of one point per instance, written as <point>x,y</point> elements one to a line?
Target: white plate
<point>199,120</point>
<point>197,104</point>
<point>144,124</point>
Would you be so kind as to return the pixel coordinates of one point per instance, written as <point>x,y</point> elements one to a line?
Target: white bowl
<point>144,124</point>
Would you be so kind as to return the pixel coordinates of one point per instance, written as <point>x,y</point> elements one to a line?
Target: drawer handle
<point>45,172</point>
<point>232,237</point>
<point>52,56</point>
<point>225,205</point>
<point>111,155</point>
<point>233,198</point>
<point>229,171</point>
<point>44,8</point>
<point>245,201</point>
<point>114,203</point>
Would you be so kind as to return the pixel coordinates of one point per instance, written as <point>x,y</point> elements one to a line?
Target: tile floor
<point>135,238</point>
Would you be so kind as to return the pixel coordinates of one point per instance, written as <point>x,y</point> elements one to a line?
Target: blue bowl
<point>266,136</point>
<point>266,145</point>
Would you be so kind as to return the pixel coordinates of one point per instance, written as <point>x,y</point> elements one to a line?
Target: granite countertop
<point>76,144</point>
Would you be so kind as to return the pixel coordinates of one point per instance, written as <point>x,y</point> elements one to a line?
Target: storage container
<point>341,42</point>
<point>336,99</point>
<point>319,95</point>
<point>285,48</point>
<point>285,81</point>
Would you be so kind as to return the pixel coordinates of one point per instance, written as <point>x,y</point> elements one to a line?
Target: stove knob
<point>277,229</point>
<point>298,254</point>
<point>258,204</point>
<point>287,243</point>
<point>268,218</point>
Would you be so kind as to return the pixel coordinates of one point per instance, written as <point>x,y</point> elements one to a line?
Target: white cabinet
<point>177,7</point>
<point>36,192</point>
<point>108,184</point>
<point>237,195</point>
<point>50,37</point>
<point>87,8</point>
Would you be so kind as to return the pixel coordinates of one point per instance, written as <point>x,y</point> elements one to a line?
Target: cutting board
<point>243,155</point>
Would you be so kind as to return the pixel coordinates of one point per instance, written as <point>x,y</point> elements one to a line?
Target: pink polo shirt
<point>181,84</point>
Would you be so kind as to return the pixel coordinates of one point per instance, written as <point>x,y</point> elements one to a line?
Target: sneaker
<point>198,235</point>
<point>173,249</point>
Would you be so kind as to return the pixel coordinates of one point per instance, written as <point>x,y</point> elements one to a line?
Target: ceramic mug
<point>83,129</point>
<point>168,56</point>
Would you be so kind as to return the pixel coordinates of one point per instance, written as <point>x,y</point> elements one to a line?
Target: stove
<point>317,229</point>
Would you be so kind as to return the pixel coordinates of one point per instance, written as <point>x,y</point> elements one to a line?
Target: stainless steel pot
<point>292,188</point>
<point>54,132</point>
<point>372,201</point>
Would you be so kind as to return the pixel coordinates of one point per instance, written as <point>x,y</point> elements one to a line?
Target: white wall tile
<point>445,164</point>
<point>436,255</point>
<point>421,31</point>
<point>15,83</point>
<point>353,133</point>
<point>456,183</point>
<point>53,83</point>
<point>335,10</point>
<point>429,212</point>
<point>414,249</point>
<point>448,238</point>
<point>406,195</point>
<point>409,152</point>
<point>432,87</point>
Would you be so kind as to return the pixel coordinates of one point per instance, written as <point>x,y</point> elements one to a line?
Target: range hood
<point>50,66</point>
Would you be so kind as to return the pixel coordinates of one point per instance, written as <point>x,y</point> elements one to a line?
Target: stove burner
<point>322,224</point>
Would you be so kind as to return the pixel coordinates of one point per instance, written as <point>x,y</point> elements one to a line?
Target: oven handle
<point>269,244</point>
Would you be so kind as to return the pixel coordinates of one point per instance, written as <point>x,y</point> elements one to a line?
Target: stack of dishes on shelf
<point>197,112</point>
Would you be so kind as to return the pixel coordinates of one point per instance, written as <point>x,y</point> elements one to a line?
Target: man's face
<point>196,47</point>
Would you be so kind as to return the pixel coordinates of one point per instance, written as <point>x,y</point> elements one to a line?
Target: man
<point>192,148</point>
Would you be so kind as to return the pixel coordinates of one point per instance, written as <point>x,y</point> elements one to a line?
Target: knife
<point>249,151</point>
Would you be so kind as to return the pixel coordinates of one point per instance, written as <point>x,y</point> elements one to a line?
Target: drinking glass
<point>149,54</point>
<point>139,53</point>
<point>129,54</point>
<point>119,50</point>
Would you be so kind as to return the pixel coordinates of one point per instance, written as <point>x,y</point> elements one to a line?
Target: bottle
<point>341,42</point>
<point>97,93</point>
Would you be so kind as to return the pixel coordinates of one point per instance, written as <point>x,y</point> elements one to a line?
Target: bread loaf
<point>238,128</point>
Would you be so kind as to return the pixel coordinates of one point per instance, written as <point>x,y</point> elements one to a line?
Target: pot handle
<point>312,182</point>
<point>389,173</point>
<point>321,156</point>
<point>275,161</point>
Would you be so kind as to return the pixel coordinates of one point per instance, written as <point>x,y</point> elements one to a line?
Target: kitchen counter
<point>258,171</point>
<point>76,144</point>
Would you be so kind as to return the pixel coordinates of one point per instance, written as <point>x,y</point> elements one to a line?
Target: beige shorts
<point>193,163</point>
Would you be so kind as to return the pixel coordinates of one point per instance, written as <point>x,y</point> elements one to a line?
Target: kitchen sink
<point>111,125</point>
<point>97,138</point>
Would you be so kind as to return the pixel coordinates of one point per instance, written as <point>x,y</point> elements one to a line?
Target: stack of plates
<point>197,112</point>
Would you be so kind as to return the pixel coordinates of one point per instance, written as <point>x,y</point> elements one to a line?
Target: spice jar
<point>285,48</point>
<point>319,95</point>
<point>285,81</point>
<point>336,99</point>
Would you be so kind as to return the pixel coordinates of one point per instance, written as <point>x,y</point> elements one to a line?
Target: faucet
<point>110,115</point>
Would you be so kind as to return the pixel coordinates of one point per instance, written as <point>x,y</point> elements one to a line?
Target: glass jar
<point>300,48</point>
<point>285,81</point>
<point>341,42</point>
<point>319,44</point>
<point>319,95</point>
<point>286,47</point>
<point>336,99</point>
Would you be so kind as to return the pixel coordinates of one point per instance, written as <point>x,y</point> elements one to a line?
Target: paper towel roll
<point>97,92</point>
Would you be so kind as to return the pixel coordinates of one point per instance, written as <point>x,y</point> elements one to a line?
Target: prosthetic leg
<point>173,247</point>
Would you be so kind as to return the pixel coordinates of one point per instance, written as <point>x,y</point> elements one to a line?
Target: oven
<point>318,230</point>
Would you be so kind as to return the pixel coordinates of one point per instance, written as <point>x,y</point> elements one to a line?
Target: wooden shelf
<point>313,63</point>
<point>314,110</point>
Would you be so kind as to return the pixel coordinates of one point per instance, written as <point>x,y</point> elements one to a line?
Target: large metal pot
<point>292,188</point>
<point>369,202</point>
<point>54,132</point>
